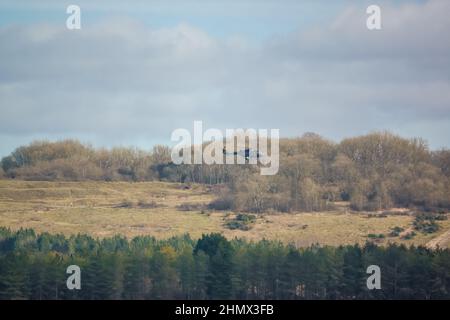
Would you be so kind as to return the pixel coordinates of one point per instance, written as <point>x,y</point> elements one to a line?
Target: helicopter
<point>247,153</point>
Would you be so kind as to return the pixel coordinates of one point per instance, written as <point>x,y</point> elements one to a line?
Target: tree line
<point>34,267</point>
<point>373,172</point>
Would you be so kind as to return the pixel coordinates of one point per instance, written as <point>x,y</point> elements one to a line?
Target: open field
<point>151,208</point>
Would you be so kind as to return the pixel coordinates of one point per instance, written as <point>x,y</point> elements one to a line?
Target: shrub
<point>222,203</point>
<point>125,204</point>
<point>426,226</point>
<point>241,221</point>
<point>426,222</point>
<point>247,218</point>
<point>233,224</point>
<point>395,232</point>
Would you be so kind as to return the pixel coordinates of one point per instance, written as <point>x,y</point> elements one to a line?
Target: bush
<point>241,221</point>
<point>247,218</point>
<point>233,225</point>
<point>426,226</point>
<point>222,203</point>
<point>426,222</point>
<point>125,204</point>
<point>395,232</point>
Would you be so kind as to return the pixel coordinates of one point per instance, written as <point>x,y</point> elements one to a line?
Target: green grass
<point>94,208</point>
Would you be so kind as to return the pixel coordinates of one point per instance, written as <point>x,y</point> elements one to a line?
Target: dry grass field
<point>104,209</point>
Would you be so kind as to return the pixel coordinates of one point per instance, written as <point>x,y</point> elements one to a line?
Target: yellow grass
<point>92,207</point>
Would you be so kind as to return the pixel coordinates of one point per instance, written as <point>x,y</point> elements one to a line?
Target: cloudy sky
<point>136,72</point>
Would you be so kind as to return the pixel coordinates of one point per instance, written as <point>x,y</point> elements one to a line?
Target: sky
<point>135,72</point>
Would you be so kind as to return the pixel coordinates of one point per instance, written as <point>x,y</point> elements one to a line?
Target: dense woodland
<point>373,172</point>
<point>34,267</point>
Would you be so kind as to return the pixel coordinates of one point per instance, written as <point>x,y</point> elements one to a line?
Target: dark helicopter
<point>247,153</point>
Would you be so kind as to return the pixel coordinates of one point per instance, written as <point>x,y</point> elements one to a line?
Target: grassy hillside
<point>162,210</point>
